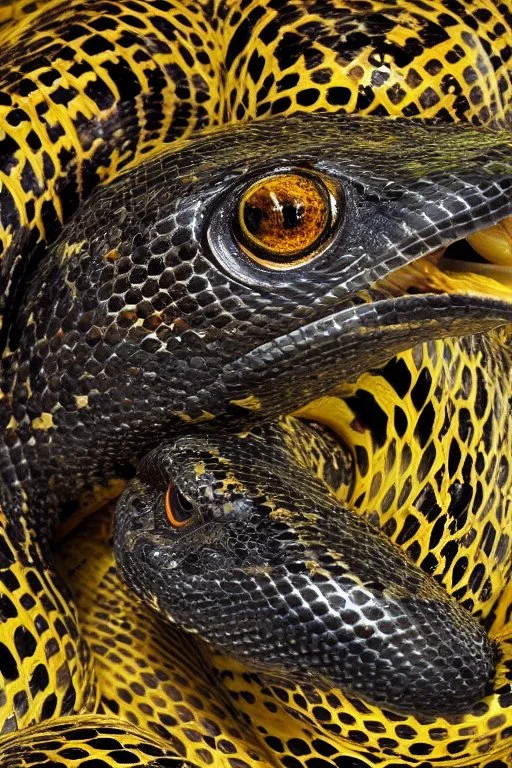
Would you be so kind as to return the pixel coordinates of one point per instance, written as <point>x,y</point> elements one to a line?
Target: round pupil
<point>182,508</point>
<point>285,215</point>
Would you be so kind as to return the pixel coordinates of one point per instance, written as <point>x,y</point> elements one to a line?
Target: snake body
<point>140,301</point>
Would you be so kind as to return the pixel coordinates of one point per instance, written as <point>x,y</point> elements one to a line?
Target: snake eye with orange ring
<point>283,219</point>
<point>178,509</point>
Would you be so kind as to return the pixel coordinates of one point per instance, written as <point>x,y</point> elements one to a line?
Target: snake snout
<point>250,552</point>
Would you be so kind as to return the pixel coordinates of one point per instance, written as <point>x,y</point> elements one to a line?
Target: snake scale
<point>158,310</point>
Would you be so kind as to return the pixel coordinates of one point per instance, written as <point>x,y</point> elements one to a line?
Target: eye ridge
<point>178,509</point>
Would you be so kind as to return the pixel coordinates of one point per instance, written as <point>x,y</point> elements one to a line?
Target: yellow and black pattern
<point>421,430</point>
<point>45,663</point>
<point>384,58</point>
<point>147,675</point>
<point>99,741</point>
<point>104,90</point>
<point>311,726</point>
<point>308,724</point>
<point>89,90</point>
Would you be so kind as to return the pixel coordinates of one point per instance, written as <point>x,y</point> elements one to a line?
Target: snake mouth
<point>480,265</point>
<point>458,290</point>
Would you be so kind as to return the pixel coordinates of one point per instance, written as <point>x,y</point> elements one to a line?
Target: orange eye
<point>179,510</point>
<point>284,218</point>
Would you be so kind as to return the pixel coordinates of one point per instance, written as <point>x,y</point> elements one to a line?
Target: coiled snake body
<point>166,304</point>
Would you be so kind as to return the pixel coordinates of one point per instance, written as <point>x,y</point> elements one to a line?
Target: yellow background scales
<point>206,66</point>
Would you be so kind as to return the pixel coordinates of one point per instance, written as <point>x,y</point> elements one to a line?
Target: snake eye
<point>282,219</point>
<point>179,510</point>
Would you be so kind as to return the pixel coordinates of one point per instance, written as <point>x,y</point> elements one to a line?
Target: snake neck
<point>45,481</point>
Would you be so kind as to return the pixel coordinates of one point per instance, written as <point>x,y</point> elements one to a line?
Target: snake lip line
<point>460,288</point>
<point>349,342</point>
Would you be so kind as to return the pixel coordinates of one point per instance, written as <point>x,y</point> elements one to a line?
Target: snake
<point>159,304</point>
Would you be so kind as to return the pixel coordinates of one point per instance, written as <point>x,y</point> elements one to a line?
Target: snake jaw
<point>449,291</point>
<point>339,348</point>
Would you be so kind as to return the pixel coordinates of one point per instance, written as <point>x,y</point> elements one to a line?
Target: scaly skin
<point>105,348</point>
<point>341,725</point>
<point>73,117</point>
<point>146,300</point>
<point>110,85</point>
<point>266,567</point>
<point>101,741</point>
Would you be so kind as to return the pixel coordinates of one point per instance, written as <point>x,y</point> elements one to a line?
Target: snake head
<point>238,276</point>
<point>230,538</point>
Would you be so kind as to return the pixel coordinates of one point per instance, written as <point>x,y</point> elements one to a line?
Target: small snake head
<point>230,538</point>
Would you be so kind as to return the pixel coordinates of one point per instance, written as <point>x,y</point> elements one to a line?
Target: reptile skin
<point>96,370</point>
<point>294,586</point>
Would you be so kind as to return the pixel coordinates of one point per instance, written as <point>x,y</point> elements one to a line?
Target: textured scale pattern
<point>129,299</point>
<point>45,346</point>
<point>44,662</point>
<point>344,726</point>
<point>437,60</point>
<point>381,417</point>
<point>291,583</point>
<point>286,717</point>
<point>451,408</point>
<point>429,418</point>
<point>89,89</point>
<point>79,89</point>
<point>80,111</point>
<point>98,742</point>
<point>147,676</point>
